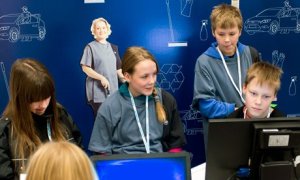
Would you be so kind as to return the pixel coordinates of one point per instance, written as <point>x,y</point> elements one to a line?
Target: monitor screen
<point>235,146</point>
<point>167,166</point>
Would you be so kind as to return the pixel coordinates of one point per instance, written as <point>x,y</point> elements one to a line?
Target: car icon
<point>192,122</point>
<point>24,26</point>
<point>273,20</point>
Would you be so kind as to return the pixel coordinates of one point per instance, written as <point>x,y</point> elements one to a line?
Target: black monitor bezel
<point>231,139</point>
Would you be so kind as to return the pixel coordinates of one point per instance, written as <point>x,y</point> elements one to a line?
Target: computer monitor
<point>236,146</point>
<point>167,166</point>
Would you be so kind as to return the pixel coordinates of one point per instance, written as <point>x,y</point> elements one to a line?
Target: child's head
<point>226,25</point>
<point>226,16</point>
<point>264,73</point>
<point>260,88</point>
<point>140,70</point>
<point>60,160</point>
<point>30,82</point>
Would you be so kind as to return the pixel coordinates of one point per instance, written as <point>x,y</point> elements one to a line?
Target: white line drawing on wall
<point>293,115</point>
<point>274,20</point>
<point>173,43</point>
<point>22,26</point>
<point>94,1</point>
<point>4,77</point>
<point>170,77</point>
<point>293,87</point>
<point>235,3</point>
<point>192,121</point>
<point>186,7</point>
<point>203,30</point>
<point>278,58</point>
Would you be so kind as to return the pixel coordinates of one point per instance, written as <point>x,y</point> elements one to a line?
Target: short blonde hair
<point>226,16</point>
<point>95,21</point>
<point>265,73</point>
<point>60,161</point>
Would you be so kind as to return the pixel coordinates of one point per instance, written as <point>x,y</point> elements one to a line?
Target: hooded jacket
<point>214,94</point>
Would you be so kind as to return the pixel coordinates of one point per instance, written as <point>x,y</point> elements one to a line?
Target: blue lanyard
<point>146,141</point>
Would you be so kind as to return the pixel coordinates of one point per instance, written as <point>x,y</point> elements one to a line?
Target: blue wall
<point>155,25</point>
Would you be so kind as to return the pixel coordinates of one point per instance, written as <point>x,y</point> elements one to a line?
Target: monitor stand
<point>277,170</point>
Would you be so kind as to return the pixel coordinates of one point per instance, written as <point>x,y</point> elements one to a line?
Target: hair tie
<point>166,122</point>
<point>156,98</point>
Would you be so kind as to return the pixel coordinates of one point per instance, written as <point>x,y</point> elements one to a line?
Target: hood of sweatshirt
<point>213,52</point>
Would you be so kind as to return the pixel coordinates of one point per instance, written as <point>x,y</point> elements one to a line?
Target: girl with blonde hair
<point>60,161</point>
<point>139,118</point>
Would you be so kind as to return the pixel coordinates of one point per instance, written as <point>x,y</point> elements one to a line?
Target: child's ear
<point>240,32</point>
<point>275,96</point>
<point>127,77</point>
<point>213,33</point>
<point>244,88</point>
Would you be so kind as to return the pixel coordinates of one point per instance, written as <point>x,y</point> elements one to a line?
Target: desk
<point>198,172</point>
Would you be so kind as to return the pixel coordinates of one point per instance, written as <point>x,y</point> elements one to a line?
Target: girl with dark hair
<point>31,117</point>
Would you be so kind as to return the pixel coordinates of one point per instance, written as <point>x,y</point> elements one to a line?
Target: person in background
<point>60,161</point>
<point>260,89</point>
<point>31,117</point>
<point>139,117</point>
<point>221,69</point>
<point>102,65</point>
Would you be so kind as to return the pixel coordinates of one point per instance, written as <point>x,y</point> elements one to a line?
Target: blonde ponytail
<point>160,111</point>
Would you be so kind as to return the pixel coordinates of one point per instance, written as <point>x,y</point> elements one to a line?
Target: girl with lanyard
<point>260,89</point>
<point>138,118</point>
<point>31,117</point>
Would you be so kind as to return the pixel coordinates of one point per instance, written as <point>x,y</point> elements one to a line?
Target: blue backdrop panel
<point>175,31</point>
<point>273,28</point>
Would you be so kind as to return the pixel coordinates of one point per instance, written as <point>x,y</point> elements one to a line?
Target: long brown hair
<point>132,57</point>
<point>29,82</point>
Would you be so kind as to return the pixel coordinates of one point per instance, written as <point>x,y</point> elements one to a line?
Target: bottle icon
<point>203,30</point>
<point>292,87</point>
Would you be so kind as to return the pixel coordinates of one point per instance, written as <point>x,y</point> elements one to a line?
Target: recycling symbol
<point>170,77</point>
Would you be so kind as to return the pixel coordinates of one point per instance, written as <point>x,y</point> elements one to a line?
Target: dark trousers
<point>95,107</point>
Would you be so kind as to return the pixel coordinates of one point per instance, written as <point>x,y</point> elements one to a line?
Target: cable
<point>242,172</point>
